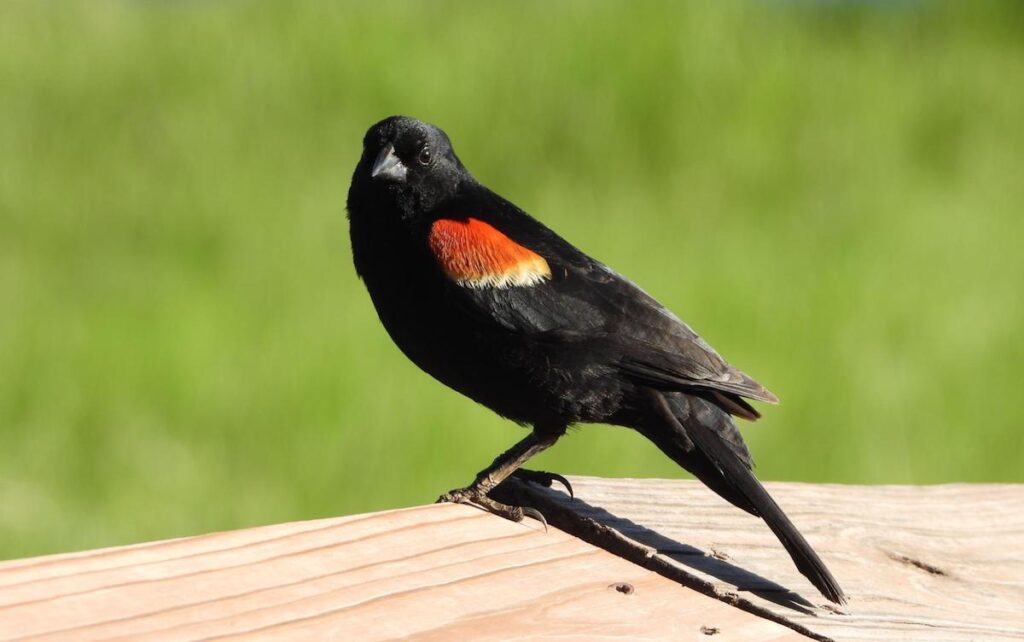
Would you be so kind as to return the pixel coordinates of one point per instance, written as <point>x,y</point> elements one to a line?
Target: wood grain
<point>437,572</point>
<point>918,563</point>
<point>942,563</point>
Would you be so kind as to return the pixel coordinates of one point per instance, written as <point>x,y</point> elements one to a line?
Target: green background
<point>831,193</point>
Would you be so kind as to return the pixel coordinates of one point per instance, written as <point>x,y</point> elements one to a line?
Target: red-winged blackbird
<point>494,304</point>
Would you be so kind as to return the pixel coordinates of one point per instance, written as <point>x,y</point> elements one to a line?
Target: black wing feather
<point>583,295</point>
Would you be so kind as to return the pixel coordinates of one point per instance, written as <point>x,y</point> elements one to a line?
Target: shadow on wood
<point>643,546</point>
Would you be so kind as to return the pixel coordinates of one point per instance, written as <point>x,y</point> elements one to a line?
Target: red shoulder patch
<point>477,255</point>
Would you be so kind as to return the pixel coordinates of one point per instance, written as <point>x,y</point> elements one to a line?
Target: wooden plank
<point>918,563</point>
<point>921,563</point>
<point>428,573</point>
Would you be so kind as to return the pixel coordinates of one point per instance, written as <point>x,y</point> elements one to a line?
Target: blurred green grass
<point>831,193</point>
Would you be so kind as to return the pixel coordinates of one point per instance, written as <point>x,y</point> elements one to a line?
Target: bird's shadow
<point>577,517</point>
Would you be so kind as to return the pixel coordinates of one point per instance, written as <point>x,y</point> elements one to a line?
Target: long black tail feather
<point>714,452</point>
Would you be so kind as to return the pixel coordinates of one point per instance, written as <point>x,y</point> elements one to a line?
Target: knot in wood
<point>622,587</point>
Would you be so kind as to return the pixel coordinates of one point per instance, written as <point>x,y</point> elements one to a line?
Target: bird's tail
<point>704,441</point>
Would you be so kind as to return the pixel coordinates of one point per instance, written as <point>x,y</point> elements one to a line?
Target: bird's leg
<point>500,469</point>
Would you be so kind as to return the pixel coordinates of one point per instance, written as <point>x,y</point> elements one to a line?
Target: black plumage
<point>492,303</point>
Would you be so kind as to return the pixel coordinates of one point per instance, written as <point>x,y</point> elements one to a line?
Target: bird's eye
<point>424,157</point>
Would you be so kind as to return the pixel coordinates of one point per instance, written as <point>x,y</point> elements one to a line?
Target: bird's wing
<point>514,275</point>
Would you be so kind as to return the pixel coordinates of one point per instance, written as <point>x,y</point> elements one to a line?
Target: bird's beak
<point>388,166</point>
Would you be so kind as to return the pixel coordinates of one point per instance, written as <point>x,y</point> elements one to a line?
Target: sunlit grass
<point>830,193</point>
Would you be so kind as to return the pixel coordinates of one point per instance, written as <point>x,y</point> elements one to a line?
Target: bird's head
<point>409,163</point>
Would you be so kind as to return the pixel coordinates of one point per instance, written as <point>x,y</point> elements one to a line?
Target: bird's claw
<point>543,478</point>
<point>477,498</point>
<point>536,514</point>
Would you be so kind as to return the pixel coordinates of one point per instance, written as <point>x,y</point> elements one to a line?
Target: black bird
<point>495,305</point>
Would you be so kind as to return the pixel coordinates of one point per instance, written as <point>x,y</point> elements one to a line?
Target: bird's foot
<point>477,497</point>
<point>543,478</point>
